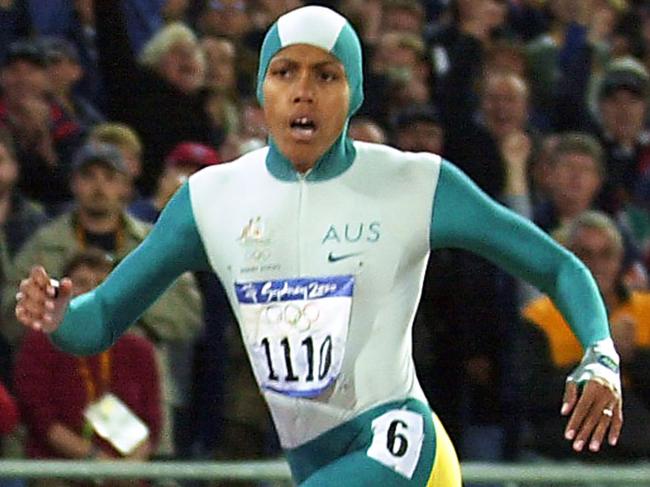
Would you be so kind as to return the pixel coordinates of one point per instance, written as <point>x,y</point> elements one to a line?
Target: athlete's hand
<point>595,412</point>
<point>40,304</point>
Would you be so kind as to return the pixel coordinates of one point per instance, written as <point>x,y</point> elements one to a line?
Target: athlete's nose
<point>303,89</point>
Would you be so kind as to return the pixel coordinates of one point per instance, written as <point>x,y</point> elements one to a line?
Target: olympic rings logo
<point>258,255</point>
<point>300,317</point>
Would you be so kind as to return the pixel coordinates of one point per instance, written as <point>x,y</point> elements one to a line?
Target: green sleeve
<point>465,217</point>
<point>96,319</point>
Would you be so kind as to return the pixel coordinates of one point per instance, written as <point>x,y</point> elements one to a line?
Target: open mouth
<point>303,128</point>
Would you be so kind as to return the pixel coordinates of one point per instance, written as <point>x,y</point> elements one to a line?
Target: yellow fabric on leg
<point>446,468</point>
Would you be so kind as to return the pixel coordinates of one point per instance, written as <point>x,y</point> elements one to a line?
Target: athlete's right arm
<point>93,321</point>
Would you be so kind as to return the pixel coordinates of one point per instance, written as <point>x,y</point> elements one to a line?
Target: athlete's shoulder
<point>395,163</point>
<point>207,181</point>
<point>383,152</point>
<point>243,163</point>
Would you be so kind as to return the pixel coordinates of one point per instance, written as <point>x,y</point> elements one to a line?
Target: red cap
<point>193,154</point>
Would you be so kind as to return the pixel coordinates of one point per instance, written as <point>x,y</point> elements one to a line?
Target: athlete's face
<point>306,100</point>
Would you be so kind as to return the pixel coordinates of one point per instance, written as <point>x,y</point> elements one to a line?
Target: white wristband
<point>600,362</point>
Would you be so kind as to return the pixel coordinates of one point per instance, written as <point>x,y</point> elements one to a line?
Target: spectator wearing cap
<point>45,135</point>
<point>183,161</point>
<point>65,72</point>
<point>127,141</point>
<point>622,129</point>
<point>158,93</point>
<point>99,219</point>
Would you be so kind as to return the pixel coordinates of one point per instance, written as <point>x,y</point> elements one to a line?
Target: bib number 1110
<point>311,362</point>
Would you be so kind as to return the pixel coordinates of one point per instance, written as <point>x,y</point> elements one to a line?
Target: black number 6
<point>396,442</point>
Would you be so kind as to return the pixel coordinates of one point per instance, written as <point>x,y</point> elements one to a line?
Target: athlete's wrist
<point>601,363</point>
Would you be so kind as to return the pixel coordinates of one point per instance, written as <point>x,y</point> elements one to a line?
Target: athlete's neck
<point>334,162</point>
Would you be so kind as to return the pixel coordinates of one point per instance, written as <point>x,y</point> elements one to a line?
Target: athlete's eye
<point>328,75</point>
<point>280,72</point>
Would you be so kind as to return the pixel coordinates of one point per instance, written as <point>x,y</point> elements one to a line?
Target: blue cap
<point>98,153</point>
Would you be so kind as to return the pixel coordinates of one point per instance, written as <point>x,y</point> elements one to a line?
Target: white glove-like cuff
<point>600,363</point>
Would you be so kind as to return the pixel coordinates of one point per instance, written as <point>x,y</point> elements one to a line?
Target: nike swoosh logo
<point>335,258</point>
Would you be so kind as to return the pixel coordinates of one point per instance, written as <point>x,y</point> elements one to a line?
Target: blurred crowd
<point>108,106</point>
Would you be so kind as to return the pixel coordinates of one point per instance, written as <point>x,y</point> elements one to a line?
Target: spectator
<point>163,84</point>
<point>549,349</point>
<point>229,19</point>
<point>458,45</point>
<point>222,83</point>
<point>562,60</point>
<point>9,415</point>
<point>19,219</point>
<point>64,72</point>
<point>183,161</point>
<point>494,144</point>
<point>57,389</point>
<point>19,216</point>
<point>403,16</point>
<point>399,59</point>
<point>14,24</point>
<point>63,18</point>
<point>221,70</point>
<point>126,141</point>
<point>252,131</point>
<point>622,129</point>
<point>175,10</point>
<point>635,218</point>
<point>99,219</point>
<point>506,56</point>
<point>45,135</point>
<point>577,172</point>
<point>419,129</point>
<point>367,130</point>
<point>366,16</point>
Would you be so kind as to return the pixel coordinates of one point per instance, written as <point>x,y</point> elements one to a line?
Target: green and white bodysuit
<point>324,271</point>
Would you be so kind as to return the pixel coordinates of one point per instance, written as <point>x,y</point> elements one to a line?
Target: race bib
<point>397,438</point>
<point>296,330</point>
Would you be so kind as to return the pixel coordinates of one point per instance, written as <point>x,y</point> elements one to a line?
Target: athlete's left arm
<point>465,217</point>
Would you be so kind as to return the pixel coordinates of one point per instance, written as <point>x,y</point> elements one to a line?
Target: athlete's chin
<point>303,155</point>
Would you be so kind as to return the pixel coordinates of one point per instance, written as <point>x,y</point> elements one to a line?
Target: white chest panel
<point>371,223</point>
